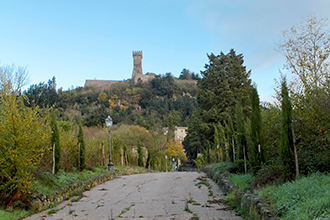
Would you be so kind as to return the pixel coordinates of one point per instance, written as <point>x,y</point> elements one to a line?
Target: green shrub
<point>199,161</point>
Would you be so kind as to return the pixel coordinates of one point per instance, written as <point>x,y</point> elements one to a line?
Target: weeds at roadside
<point>126,210</point>
<point>52,211</point>
<point>186,208</point>
<point>195,217</point>
<point>210,193</point>
<point>191,200</point>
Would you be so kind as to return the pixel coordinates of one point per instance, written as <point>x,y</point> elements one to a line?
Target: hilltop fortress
<point>136,75</point>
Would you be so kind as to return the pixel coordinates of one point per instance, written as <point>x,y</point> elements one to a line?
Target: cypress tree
<point>140,155</point>
<point>241,137</point>
<point>256,135</point>
<point>287,148</point>
<point>55,138</point>
<point>82,155</point>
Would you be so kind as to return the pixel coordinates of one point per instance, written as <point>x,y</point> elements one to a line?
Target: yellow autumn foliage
<point>175,150</point>
<point>23,141</point>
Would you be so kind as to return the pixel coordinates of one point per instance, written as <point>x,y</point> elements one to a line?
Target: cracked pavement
<point>172,195</point>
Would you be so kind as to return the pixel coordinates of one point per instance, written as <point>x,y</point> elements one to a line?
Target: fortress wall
<point>144,78</point>
<point>101,85</point>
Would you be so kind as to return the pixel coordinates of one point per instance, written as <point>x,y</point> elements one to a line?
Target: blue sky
<point>79,40</point>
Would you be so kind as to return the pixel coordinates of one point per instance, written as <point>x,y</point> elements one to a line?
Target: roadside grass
<point>52,211</point>
<point>120,168</point>
<point>242,182</point>
<point>47,183</point>
<point>13,215</point>
<point>306,198</point>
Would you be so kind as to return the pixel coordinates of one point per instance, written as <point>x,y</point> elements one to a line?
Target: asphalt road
<point>172,195</point>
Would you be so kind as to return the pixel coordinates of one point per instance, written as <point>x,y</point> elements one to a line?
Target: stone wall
<point>42,202</point>
<point>101,85</point>
<point>144,78</point>
<point>248,201</point>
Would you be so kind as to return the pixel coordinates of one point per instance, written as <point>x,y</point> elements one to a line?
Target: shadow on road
<point>188,168</point>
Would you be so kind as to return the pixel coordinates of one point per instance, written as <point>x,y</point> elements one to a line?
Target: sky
<point>75,40</point>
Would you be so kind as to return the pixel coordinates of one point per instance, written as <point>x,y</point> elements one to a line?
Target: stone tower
<point>137,71</point>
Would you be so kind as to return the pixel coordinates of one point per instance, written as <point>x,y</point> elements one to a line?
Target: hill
<point>162,101</point>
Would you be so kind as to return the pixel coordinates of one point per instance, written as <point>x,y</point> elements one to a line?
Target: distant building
<point>136,75</point>
<point>165,130</point>
<point>180,133</point>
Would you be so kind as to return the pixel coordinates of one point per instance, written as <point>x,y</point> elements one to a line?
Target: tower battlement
<point>137,53</point>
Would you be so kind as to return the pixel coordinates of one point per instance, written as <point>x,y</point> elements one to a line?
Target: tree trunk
<point>102,155</point>
<point>54,158</point>
<point>232,142</point>
<point>122,156</point>
<point>295,152</point>
<point>227,153</point>
<point>245,166</point>
<point>79,156</point>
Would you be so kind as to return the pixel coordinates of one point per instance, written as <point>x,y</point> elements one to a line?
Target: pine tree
<point>256,132</point>
<point>223,82</point>
<point>287,148</point>
<point>81,141</point>
<point>55,138</point>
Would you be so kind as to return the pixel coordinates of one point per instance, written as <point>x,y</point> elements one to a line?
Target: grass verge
<point>47,183</point>
<point>13,215</point>
<point>306,198</point>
